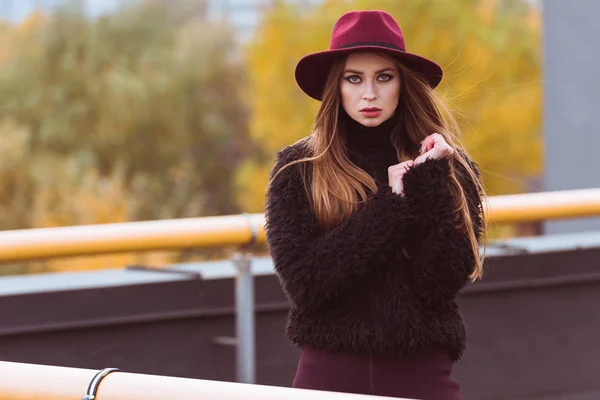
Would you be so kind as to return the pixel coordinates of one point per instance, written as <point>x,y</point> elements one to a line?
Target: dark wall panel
<point>533,328</point>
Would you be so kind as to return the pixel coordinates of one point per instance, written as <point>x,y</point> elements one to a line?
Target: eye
<point>385,77</point>
<point>353,79</point>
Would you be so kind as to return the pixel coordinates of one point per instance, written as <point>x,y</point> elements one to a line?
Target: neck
<point>360,137</point>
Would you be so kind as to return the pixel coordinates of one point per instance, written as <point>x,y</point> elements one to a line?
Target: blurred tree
<point>135,115</point>
<point>490,51</point>
<point>150,94</point>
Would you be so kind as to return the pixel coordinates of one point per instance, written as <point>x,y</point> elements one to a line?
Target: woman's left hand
<point>434,146</point>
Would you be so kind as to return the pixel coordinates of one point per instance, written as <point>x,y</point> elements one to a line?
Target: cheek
<point>348,95</point>
<point>392,95</point>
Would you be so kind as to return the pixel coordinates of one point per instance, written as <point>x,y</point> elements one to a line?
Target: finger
<point>428,143</point>
<point>423,145</point>
<point>404,167</point>
<point>392,172</point>
<point>438,139</point>
<point>402,171</point>
<point>400,186</point>
<point>398,174</point>
<point>399,166</point>
<point>443,149</point>
<point>395,173</point>
<point>421,158</point>
<point>438,142</point>
<point>397,186</point>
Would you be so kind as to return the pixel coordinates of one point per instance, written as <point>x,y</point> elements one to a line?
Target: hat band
<point>379,44</point>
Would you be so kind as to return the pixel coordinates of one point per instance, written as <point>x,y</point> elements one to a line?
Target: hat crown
<point>374,31</point>
<point>360,27</point>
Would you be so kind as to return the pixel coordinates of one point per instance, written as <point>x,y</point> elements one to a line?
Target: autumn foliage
<point>136,115</point>
<point>156,111</point>
<point>490,51</point>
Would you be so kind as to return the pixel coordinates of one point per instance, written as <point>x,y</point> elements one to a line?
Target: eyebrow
<point>353,71</point>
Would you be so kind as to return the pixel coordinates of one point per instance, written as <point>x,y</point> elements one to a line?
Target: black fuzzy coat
<point>352,288</point>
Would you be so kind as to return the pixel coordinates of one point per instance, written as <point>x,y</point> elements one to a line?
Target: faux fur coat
<point>352,288</point>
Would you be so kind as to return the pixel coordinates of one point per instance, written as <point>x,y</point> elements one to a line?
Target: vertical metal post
<point>244,306</point>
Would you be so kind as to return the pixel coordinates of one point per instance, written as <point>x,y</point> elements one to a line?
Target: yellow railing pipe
<point>40,243</point>
<point>541,206</point>
<point>31,381</point>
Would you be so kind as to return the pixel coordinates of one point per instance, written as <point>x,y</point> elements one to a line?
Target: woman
<point>374,220</point>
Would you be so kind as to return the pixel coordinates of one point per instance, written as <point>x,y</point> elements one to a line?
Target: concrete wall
<point>571,101</point>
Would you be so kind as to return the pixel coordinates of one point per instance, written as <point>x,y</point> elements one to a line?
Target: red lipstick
<point>371,112</point>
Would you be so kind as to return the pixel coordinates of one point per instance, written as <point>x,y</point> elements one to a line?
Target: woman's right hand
<point>396,174</point>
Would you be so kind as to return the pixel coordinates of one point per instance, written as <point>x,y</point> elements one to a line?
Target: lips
<point>371,112</point>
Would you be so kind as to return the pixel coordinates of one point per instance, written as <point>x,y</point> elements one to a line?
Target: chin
<point>371,122</point>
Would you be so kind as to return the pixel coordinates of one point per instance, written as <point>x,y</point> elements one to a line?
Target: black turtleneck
<point>371,148</point>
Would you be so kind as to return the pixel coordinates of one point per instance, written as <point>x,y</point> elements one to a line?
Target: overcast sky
<point>16,10</point>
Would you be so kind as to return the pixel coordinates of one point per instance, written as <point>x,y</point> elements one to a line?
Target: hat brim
<point>312,69</point>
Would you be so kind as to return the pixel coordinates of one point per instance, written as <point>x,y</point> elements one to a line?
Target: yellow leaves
<point>487,10</point>
<point>490,53</point>
<point>510,147</point>
<point>250,188</point>
<point>12,37</point>
<point>32,22</point>
<point>12,144</point>
<point>281,113</point>
<point>6,43</point>
<point>93,199</point>
<point>14,182</point>
<point>271,59</point>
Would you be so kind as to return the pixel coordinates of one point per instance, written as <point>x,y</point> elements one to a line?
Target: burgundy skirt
<point>425,376</point>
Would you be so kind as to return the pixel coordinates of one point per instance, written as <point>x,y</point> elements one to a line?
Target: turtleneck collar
<point>371,148</point>
<point>360,137</point>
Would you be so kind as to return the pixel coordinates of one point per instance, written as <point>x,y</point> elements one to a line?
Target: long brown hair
<point>337,186</point>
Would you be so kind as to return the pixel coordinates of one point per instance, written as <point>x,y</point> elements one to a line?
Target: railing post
<point>244,307</point>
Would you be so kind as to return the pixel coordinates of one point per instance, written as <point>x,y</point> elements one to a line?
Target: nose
<point>370,92</point>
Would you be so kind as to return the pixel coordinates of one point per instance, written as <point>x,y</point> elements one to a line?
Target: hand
<point>434,146</point>
<point>395,175</point>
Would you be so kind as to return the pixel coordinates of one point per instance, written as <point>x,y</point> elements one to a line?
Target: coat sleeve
<point>441,255</point>
<point>316,266</point>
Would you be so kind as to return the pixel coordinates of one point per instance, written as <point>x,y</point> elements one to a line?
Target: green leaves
<point>146,100</point>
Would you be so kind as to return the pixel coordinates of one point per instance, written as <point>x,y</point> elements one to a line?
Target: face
<point>370,88</point>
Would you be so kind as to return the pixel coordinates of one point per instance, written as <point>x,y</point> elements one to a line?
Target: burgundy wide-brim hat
<point>362,31</point>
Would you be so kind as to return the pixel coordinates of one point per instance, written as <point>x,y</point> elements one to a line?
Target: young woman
<point>374,220</point>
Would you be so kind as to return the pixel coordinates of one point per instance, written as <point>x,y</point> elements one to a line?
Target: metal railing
<point>540,206</point>
<point>43,243</point>
<point>30,381</point>
<point>173,234</point>
<point>31,244</point>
